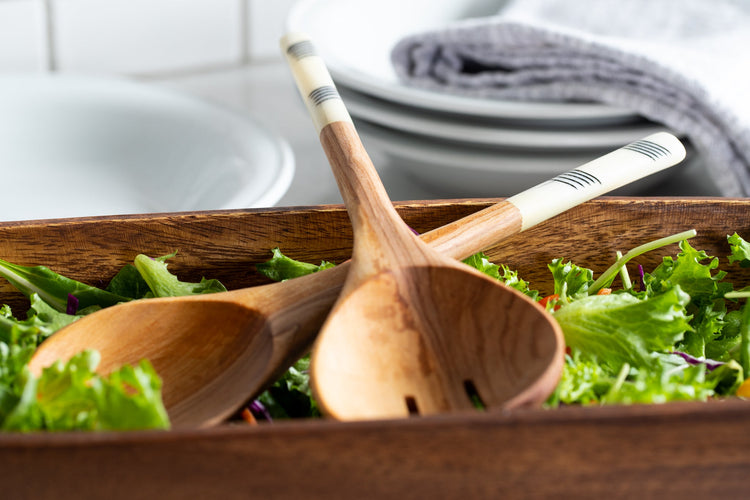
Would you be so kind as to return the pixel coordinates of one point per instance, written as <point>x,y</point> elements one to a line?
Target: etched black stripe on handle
<point>576,179</point>
<point>653,146</point>
<point>302,49</point>
<point>649,149</point>
<point>585,177</point>
<point>324,93</point>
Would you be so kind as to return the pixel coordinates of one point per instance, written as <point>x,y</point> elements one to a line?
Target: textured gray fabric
<point>683,63</point>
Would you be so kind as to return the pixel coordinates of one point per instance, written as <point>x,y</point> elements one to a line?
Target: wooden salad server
<point>214,352</point>
<point>414,331</point>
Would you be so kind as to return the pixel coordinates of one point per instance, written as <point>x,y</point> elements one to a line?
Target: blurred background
<point>225,53</point>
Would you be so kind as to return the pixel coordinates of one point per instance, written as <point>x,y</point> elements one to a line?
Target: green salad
<point>678,332</point>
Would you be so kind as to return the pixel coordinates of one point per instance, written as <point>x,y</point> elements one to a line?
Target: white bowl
<point>79,146</point>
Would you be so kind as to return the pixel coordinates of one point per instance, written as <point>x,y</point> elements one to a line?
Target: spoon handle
<point>379,231</point>
<point>481,230</point>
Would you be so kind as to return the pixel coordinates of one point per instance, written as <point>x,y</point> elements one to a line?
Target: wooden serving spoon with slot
<point>414,331</point>
<point>214,352</point>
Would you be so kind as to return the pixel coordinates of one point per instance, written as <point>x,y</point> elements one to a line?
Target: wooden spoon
<point>413,331</point>
<point>214,352</point>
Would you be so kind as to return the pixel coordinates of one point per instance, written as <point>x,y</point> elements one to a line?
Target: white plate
<point>76,146</point>
<point>355,37</point>
<point>490,133</point>
<point>455,170</point>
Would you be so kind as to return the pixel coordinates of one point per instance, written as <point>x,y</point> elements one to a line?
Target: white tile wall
<point>138,37</point>
<point>23,36</point>
<point>266,23</point>
<point>145,36</point>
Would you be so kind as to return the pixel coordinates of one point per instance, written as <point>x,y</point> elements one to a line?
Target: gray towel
<point>682,63</point>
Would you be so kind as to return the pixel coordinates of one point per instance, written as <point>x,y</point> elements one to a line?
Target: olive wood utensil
<point>414,331</point>
<point>214,352</point>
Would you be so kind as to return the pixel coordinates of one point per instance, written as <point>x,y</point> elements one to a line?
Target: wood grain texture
<point>667,451</point>
<point>670,451</point>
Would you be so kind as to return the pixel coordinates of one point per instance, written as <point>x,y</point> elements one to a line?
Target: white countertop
<point>266,91</point>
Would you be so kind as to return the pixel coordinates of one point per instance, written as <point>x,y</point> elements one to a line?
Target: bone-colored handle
<point>313,81</point>
<point>485,228</point>
<point>611,171</point>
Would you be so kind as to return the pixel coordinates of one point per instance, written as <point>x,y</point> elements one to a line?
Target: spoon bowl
<point>179,352</point>
<point>463,342</point>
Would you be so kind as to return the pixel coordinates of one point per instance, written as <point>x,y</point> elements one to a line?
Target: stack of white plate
<point>457,145</point>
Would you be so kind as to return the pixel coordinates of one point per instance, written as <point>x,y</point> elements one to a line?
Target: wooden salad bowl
<point>668,450</point>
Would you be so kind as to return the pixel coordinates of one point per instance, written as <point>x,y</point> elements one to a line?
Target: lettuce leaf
<point>700,280</point>
<point>686,383</point>
<point>739,250</point>
<point>622,328</point>
<point>583,381</point>
<point>291,396</point>
<point>480,262</point>
<point>570,280</point>
<point>41,322</point>
<point>282,268</point>
<point>54,288</point>
<point>162,283</point>
<point>71,396</point>
<point>696,273</point>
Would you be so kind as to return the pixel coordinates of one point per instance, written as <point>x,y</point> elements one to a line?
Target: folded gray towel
<point>683,63</point>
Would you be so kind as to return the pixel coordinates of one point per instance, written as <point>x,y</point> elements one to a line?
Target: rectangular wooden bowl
<point>686,449</point>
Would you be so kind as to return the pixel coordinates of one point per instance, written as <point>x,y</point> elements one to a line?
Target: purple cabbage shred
<point>692,360</point>
<point>641,281</point>
<point>259,411</point>
<point>72,307</point>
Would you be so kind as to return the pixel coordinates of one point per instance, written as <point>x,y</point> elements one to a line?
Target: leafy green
<point>570,280</point>
<point>128,282</point>
<point>680,338</point>
<point>622,328</point>
<point>739,250</point>
<point>71,396</point>
<point>291,396</point>
<point>41,322</point>
<point>162,283</point>
<point>744,346</point>
<point>687,383</point>
<point>54,289</point>
<point>701,281</point>
<point>281,268</point>
<point>625,347</point>
<point>583,381</point>
<point>500,272</point>
<point>696,273</point>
